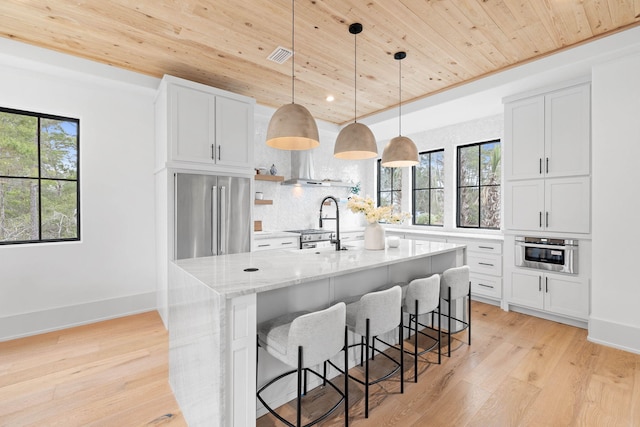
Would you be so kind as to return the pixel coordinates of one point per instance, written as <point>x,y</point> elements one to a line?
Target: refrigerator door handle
<point>223,220</point>
<point>214,220</point>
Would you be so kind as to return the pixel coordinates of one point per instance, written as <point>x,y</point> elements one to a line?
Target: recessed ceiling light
<point>330,98</point>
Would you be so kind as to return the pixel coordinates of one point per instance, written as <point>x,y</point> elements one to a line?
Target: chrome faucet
<point>335,241</point>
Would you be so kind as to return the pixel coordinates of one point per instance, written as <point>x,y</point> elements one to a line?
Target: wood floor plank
<point>519,371</point>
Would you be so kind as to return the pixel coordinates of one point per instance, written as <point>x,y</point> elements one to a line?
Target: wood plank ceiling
<point>225,43</point>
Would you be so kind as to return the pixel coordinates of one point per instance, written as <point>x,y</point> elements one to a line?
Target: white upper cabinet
<point>548,135</point>
<point>553,204</point>
<point>192,123</point>
<point>234,131</point>
<point>206,128</point>
<point>567,132</point>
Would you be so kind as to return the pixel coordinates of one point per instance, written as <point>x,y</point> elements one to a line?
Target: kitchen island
<point>215,304</point>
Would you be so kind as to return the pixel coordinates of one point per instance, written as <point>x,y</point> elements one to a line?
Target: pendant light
<point>400,151</point>
<point>292,127</point>
<point>355,141</point>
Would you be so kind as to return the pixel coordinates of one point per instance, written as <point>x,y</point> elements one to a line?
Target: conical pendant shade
<point>292,127</point>
<point>400,152</point>
<point>354,142</point>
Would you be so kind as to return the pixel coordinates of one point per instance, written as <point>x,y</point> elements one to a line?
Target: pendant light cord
<point>293,51</point>
<point>400,97</point>
<point>355,79</point>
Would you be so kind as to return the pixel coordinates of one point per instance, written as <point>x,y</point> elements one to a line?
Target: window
<point>428,189</point>
<point>39,187</point>
<point>389,186</point>
<point>479,174</point>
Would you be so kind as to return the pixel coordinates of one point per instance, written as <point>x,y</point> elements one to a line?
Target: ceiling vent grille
<point>280,55</point>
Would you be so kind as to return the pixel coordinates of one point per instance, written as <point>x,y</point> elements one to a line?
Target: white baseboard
<point>38,322</point>
<point>616,335</point>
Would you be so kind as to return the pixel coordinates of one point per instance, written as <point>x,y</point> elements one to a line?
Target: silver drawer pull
<point>485,286</point>
<point>485,247</point>
<point>286,243</point>
<point>264,246</point>
<point>485,263</point>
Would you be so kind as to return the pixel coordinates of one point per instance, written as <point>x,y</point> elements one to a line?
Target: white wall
<point>110,272</point>
<point>447,138</point>
<point>615,314</point>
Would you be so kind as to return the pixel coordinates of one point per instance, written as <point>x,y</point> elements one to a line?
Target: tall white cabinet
<point>199,129</point>
<point>547,162</point>
<point>547,193</point>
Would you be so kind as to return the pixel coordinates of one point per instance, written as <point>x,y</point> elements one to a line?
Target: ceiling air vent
<point>280,55</point>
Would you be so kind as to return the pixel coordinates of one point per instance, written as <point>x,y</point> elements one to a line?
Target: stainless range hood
<point>302,173</point>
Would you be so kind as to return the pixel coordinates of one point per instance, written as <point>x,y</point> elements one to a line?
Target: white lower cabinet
<point>351,236</point>
<point>277,243</point>
<point>484,259</point>
<point>554,293</point>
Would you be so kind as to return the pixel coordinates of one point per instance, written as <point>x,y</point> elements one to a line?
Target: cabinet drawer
<point>485,247</point>
<point>486,286</point>
<point>283,243</point>
<point>485,264</point>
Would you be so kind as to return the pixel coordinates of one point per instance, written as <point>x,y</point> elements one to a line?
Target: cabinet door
<point>524,208</point>
<point>233,132</point>
<point>567,132</point>
<point>567,205</point>
<point>192,124</point>
<point>526,289</point>
<point>524,138</point>
<point>566,295</point>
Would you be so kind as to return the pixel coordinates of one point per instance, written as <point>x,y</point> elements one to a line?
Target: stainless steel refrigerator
<point>212,215</point>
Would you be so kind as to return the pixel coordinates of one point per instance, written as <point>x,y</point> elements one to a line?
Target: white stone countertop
<point>277,269</point>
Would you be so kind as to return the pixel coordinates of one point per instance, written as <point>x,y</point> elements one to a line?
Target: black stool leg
<point>415,344</point>
<point>402,350</point>
<point>346,377</point>
<point>366,374</point>
<point>469,310</point>
<point>449,330</point>
<point>299,400</point>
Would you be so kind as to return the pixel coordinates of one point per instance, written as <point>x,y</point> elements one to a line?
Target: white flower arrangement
<point>372,213</point>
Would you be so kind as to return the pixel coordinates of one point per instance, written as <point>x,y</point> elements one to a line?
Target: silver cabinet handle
<point>540,166</point>
<point>264,245</point>
<point>485,247</point>
<point>540,218</point>
<point>547,165</point>
<point>485,286</point>
<point>486,263</point>
<point>213,151</point>
<point>539,283</point>
<point>546,284</point>
<point>219,152</point>
<point>286,243</point>
<point>547,219</point>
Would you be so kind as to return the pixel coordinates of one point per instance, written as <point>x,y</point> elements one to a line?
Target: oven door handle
<point>551,247</point>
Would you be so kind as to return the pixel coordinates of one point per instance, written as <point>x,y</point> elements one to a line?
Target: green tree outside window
<point>39,188</point>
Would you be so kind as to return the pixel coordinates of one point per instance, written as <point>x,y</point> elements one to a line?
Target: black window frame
<point>40,178</point>
<point>479,186</point>
<point>391,191</point>
<point>414,190</point>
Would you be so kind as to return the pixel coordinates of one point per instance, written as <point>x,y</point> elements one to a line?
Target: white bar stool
<point>305,340</point>
<point>454,286</point>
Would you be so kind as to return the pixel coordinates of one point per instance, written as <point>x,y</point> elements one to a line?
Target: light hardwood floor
<point>519,371</point>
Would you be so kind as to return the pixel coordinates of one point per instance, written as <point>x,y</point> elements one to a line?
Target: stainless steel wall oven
<point>559,255</point>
